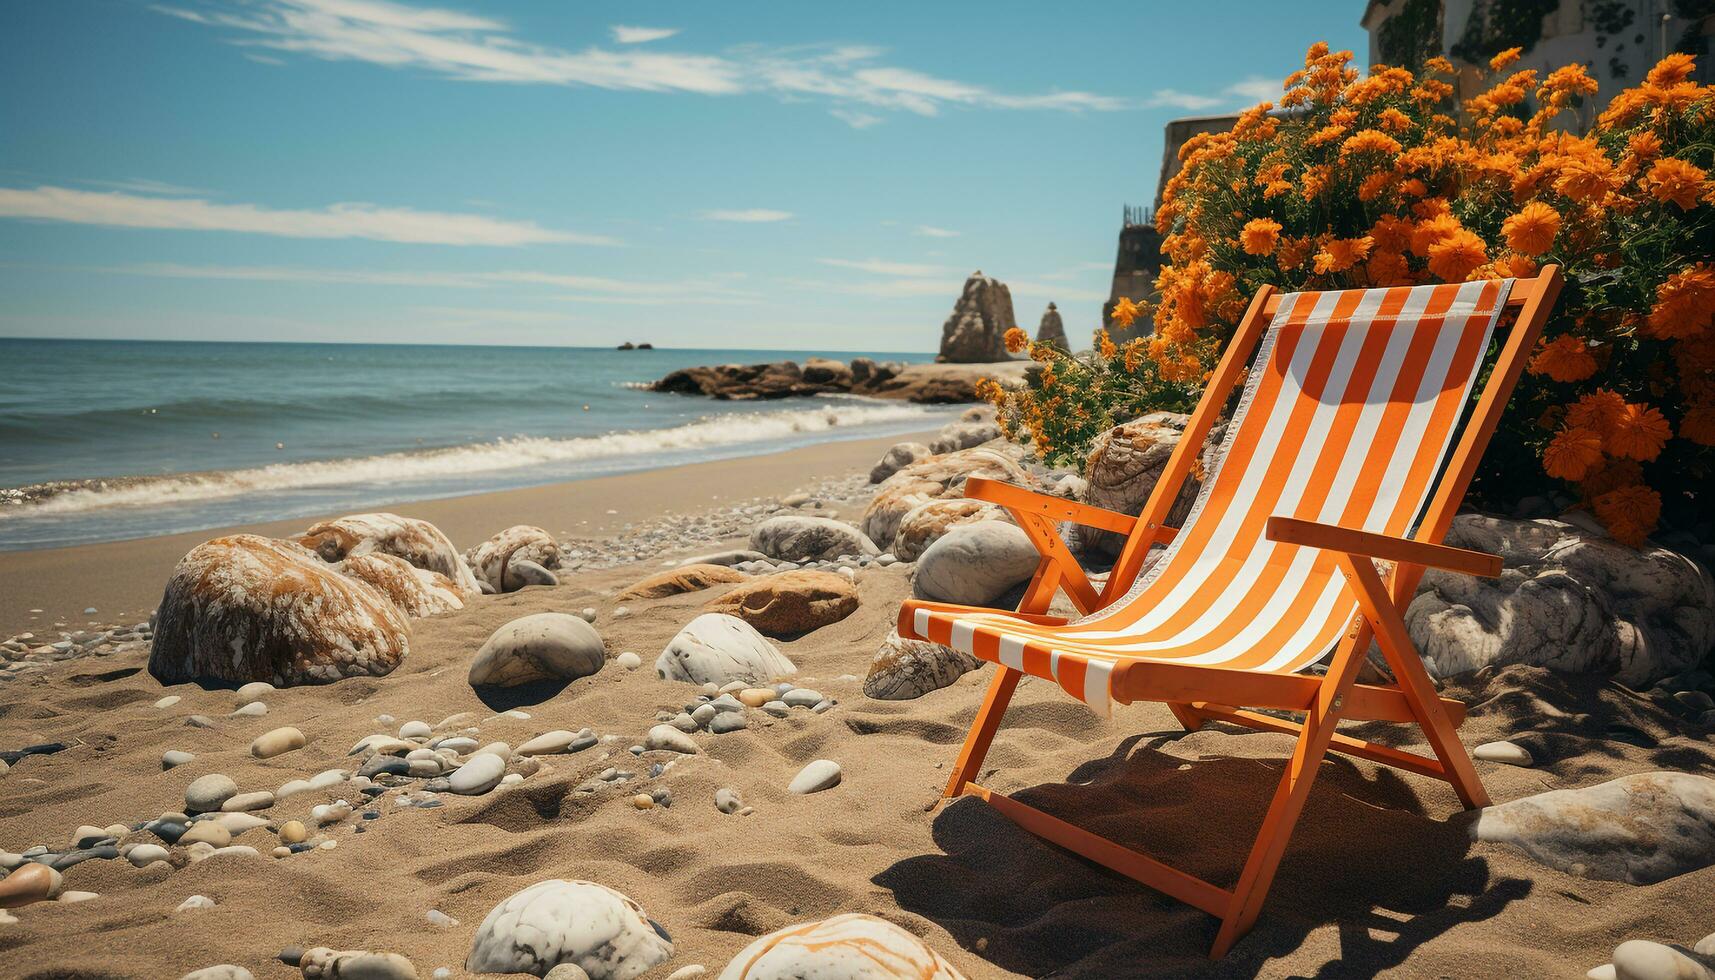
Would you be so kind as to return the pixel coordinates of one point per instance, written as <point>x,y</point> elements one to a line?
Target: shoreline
<point>122,580</point>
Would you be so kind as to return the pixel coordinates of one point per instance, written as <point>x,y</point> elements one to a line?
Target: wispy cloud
<point>641,35</point>
<point>583,288</point>
<point>854,118</point>
<point>930,231</point>
<point>346,220</point>
<point>1240,94</point>
<point>882,267</point>
<point>1257,89</point>
<point>461,46</point>
<point>747,215</point>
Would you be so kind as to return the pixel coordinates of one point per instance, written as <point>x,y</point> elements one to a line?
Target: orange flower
<point>1675,180</point>
<point>1341,254</point>
<point>1457,256</point>
<point>1016,339</point>
<point>1515,267</point>
<point>1260,235</point>
<point>1572,454</point>
<point>1105,345</point>
<point>1595,411</point>
<point>1504,59</point>
<point>1698,425</point>
<point>1629,513</point>
<point>1293,252</point>
<point>1684,303</point>
<point>1638,432</point>
<point>1369,141</point>
<point>1532,230</point>
<point>1126,312</point>
<point>1564,359</point>
<point>1432,230</point>
<point>1671,70</point>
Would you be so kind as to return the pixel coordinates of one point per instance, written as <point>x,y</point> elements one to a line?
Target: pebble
<point>703,713</point>
<point>200,721</point>
<point>207,832</point>
<point>293,832</point>
<point>728,721</point>
<point>666,738</point>
<point>225,971</point>
<point>726,702</point>
<point>415,729</point>
<point>455,743</point>
<point>392,765</point>
<point>29,884</point>
<point>778,709</point>
<point>815,777</point>
<point>244,802</point>
<point>727,800</point>
<point>756,697</point>
<point>173,757</point>
<point>168,830</point>
<point>322,963</point>
<point>327,813</point>
<point>802,697</point>
<point>481,774</point>
<point>168,701</point>
<point>688,972</point>
<point>587,614</point>
<point>253,691</point>
<point>1510,753</point>
<point>438,918</point>
<point>643,801</point>
<point>566,971</point>
<point>823,707</point>
<point>87,836</point>
<point>195,902</point>
<point>500,749</point>
<point>558,741</point>
<point>254,709</point>
<point>207,793</point>
<point>144,855</point>
<point>239,823</point>
<point>628,660</point>
<point>277,742</point>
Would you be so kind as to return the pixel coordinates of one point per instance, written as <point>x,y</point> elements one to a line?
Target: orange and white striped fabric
<point>1347,416</point>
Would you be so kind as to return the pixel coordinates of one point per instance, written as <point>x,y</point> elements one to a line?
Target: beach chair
<point>1340,454</point>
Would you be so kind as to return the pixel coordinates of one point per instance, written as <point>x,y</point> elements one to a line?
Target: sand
<point>1378,880</point>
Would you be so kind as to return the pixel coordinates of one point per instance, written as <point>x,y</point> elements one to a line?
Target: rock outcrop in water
<point>975,332</point>
<point>933,384</point>
<point>1052,329</point>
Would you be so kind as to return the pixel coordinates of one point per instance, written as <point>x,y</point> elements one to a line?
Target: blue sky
<point>573,172</point>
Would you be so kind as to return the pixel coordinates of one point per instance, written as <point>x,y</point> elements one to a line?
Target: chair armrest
<point>1055,508</point>
<point>1332,537</point>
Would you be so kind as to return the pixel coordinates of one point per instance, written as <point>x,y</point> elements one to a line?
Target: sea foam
<point>709,433</point>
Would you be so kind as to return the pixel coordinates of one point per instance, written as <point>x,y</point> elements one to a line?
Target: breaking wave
<point>768,429</point>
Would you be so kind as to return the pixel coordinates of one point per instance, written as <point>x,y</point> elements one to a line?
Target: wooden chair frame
<point>1196,695</point>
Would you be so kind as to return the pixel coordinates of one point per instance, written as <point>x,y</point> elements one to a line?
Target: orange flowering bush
<point>1354,181</point>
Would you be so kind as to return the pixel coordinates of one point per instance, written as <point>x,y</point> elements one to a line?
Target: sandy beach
<point>1381,878</point>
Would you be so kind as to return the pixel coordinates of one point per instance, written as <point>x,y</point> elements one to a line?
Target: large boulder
<point>826,371</point>
<point>593,927</point>
<point>928,522</point>
<point>790,603</point>
<point>417,541</point>
<point>491,561</point>
<point>899,456</point>
<point>1125,463</point>
<point>1052,329</point>
<point>540,647</point>
<point>416,591</point>
<point>793,537</point>
<point>1567,598</point>
<point>684,578</point>
<point>975,564</point>
<point>846,947</point>
<point>1642,828</point>
<point>249,608</point>
<point>906,669</point>
<point>975,332</point>
<point>718,649</point>
<point>938,476</point>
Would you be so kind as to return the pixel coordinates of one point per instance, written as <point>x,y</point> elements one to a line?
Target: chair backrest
<point>1348,415</point>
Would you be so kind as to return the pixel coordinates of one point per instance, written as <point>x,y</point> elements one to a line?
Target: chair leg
<point>1378,608</point>
<point>1290,796</point>
<point>970,762</point>
<point>1187,715</point>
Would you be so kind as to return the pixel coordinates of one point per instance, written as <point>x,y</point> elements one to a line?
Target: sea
<point>106,440</point>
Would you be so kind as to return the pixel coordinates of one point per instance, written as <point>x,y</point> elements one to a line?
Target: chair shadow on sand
<point>1367,856</point>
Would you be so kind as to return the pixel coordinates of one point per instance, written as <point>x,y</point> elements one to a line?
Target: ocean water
<point>161,437</point>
